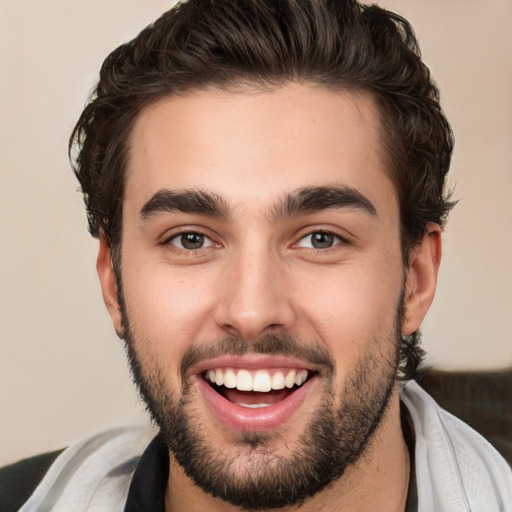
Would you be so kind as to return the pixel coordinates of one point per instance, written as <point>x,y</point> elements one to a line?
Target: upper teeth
<point>262,380</point>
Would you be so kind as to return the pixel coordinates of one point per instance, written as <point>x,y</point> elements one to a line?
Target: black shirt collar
<point>147,488</point>
<point>410,440</point>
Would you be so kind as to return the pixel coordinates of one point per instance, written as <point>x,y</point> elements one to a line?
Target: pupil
<point>192,240</point>
<point>322,240</point>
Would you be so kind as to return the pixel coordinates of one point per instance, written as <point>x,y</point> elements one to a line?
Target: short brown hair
<point>226,43</point>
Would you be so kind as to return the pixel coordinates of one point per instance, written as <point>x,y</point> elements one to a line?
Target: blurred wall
<point>62,369</point>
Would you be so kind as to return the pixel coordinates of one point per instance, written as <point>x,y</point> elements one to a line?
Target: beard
<point>264,470</point>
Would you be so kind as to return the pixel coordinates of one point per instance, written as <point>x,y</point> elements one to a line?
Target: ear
<point>108,283</point>
<point>421,278</point>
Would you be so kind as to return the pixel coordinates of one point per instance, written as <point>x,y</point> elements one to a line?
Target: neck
<point>379,480</point>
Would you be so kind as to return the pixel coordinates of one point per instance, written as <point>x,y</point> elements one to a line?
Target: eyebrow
<point>316,199</point>
<point>188,201</point>
<point>301,201</point>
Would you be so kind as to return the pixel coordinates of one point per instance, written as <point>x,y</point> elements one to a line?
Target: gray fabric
<point>457,470</point>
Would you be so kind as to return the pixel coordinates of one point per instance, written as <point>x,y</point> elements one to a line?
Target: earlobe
<point>421,278</point>
<point>108,282</point>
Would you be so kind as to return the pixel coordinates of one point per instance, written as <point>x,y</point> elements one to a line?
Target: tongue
<point>255,397</point>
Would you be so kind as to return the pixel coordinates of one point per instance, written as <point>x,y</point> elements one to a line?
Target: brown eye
<point>319,240</point>
<point>322,240</point>
<point>191,241</point>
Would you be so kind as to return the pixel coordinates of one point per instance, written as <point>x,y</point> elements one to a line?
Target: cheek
<point>166,309</point>
<point>349,310</point>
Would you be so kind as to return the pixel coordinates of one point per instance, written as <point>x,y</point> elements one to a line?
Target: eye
<point>319,240</point>
<point>191,241</point>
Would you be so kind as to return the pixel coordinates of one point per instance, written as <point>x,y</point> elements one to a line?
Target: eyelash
<point>338,240</point>
<point>176,236</point>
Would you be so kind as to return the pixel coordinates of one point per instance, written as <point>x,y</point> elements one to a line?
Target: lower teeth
<point>254,406</point>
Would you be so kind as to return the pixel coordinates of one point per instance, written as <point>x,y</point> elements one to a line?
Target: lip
<point>252,362</point>
<point>245,419</point>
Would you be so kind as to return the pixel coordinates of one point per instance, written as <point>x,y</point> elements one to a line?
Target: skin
<point>260,275</point>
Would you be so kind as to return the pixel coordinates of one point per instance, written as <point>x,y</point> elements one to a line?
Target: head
<point>240,62</point>
<point>339,45</point>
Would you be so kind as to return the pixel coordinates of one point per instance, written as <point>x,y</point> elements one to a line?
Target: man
<point>266,182</point>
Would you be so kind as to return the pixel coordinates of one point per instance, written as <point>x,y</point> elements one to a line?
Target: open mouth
<point>255,393</point>
<point>256,389</point>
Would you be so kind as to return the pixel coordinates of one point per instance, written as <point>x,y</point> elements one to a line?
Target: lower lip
<point>246,419</point>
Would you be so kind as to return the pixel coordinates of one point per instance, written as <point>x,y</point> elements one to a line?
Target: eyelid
<point>311,230</point>
<point>336,241</point>
<point>208,242</point>
<point>176,233</point>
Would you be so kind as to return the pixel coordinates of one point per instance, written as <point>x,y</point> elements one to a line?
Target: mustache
<point>271,344</point>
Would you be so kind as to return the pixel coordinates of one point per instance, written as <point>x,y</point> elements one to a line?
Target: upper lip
<point>252,362</point>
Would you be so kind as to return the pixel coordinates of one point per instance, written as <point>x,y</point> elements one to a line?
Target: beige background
<point>62,369</point>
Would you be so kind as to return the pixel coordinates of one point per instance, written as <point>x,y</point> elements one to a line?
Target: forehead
<point>250,147</point>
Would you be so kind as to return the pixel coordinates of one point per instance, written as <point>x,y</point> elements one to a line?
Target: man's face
<point>262,285</point>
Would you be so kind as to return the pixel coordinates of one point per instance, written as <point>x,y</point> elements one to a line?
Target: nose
<point>256,298</point>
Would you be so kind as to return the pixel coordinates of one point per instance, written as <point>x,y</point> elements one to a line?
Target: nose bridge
<point>255,297</point>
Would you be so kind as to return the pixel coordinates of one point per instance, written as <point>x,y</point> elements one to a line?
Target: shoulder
<point>19,480</point>
<point>94,471</point>
<point>456,468</point>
